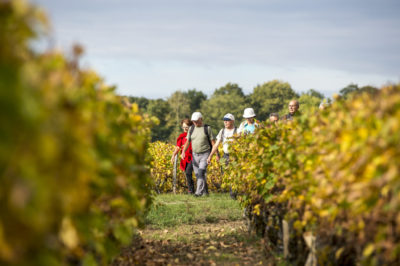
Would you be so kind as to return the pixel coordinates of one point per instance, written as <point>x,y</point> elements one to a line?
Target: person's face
<point>229,123</point>
<point>273,119</point>
<point>185,127</point>
<point>293,107</point>
<point>198,123</point>
<point>250,120</point>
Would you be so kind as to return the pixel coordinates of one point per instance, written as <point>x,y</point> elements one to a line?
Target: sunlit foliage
<point>74,181</point>
<point>334,173</point>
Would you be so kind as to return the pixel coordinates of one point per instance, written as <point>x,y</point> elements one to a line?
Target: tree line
<point>269,97</point>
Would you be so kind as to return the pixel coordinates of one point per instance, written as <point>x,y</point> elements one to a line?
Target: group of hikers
<point>198,145</point>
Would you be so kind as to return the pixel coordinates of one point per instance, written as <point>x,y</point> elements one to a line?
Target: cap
<point>228,117</point>
<point>196,116</point>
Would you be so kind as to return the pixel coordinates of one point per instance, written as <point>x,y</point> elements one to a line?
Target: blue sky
<point>155,47</point>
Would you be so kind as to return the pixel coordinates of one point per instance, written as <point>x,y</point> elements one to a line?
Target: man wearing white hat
<point>202,139</point>
<point>250,124</point>
<point>225,136</point>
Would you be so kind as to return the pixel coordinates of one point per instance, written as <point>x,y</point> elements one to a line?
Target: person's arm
<point>184,149</point>
<point>214,149</point>
<point>240,129</point>
<point>220,141</point>
<point>175,153</point>
<point>215,145</point>
<point>217,153</point>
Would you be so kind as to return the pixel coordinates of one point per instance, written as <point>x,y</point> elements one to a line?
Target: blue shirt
<point>249,128</point>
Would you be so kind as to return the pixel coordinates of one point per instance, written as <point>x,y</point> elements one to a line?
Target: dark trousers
<point>226,158</point>
<point>232,193</point>
<point>189,177</point>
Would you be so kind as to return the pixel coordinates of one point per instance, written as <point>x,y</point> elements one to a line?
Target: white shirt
<point>228,133</point>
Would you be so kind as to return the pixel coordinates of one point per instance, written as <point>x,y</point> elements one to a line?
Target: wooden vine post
<point>174,172</point>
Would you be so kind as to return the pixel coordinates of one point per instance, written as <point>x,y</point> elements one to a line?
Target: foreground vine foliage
<point>334,175</point>
<point>74,181</point>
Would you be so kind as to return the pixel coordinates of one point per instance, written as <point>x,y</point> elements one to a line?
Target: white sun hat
<point>196,116</point>
<point>249,113</point>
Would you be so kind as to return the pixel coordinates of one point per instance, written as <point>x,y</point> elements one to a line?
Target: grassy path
<point>183,230</point>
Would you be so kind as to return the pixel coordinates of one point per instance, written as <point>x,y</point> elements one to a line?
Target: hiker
<point>323,105</point>
<point>250,124</point>
<point>225,136</point>
<point>293,110</point>
<point>202,140</point>
<point>185,165</point>
<point>273,118</point>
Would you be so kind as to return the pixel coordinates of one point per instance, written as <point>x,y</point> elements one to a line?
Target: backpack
<point>223,133</point>
<point>205,132</point>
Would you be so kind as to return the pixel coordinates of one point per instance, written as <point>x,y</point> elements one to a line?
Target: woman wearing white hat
<point>250,124</point>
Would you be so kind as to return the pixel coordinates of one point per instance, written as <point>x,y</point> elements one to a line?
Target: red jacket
<point>180,142</point>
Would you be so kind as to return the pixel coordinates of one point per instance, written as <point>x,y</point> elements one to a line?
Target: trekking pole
<point>174,172</point>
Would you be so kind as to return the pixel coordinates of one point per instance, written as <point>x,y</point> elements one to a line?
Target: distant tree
<point>271,97</point>
<point>196,98</point>
<point>229,89</point>
<point>307,102</point>
<point>369,89</point>
<point>142,102</point>
<point>180,108</point>
<point>227,99</point>
<point>160,109</point>
<point>315,93</point>
<point>353,89</point>
<point>347,91</point>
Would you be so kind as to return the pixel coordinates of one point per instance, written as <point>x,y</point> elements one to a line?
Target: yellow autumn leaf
<point>368,250</point>
<point>256,209</point>
<point>339,252</point>
<point>68,233</point>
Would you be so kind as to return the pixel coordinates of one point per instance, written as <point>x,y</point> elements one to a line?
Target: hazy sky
<point>152,48</point>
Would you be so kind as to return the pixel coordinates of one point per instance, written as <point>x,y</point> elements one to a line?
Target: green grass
<point>211,229</point>
<point>171,210</point>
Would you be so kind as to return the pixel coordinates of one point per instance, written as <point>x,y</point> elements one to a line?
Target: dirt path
<point>220,243</point>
